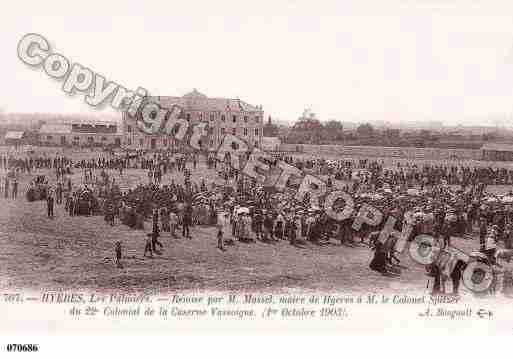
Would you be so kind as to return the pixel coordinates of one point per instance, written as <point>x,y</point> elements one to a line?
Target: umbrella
<point>243,210</point>
<point>413,192</point>
<point>479,255</point>
<point>507,199</point>
<point>504,253</point>
<point>418,214</point>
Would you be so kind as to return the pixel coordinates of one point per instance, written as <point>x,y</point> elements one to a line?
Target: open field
<point>77,252</point>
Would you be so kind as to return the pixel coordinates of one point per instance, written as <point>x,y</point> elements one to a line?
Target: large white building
<point>224,116</point>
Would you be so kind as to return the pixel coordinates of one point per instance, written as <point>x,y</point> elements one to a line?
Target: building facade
<point>224,116</point>
<point>80,133</point>
<point>497,152</point>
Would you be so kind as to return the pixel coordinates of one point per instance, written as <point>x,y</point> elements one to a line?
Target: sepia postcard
<point>336,166</point>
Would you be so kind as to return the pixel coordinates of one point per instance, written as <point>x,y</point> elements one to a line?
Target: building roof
<point>196,101</point>
<point>14,135</point>
<point>55,129</point>
<point>501,147</point>
<point>80,121</point>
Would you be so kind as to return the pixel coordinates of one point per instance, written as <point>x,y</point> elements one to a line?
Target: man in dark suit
<point>49,205</point>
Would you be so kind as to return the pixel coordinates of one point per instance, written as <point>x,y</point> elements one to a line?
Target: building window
<point>211,143</point>
<point>223,118</point>
<point>256,131</point>
<point>221,131</point>
<point>165,142</point>
<point>104,139</point>
<point>245,119</point>
<point>245,131</point>
<point>90,139</point>
<point>49,138</point>
<point>212,117</point>
<point>129,141</point>
<point>129,128</point>
<point>234,118</point>
<point>234,131</point>
<point>141,142</point>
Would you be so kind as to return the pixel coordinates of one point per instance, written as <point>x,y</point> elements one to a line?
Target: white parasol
<point>507,199</point>
<point>504,253</point>
<point>413,192</point>
<point>243,210</point>
<point>479,255</point>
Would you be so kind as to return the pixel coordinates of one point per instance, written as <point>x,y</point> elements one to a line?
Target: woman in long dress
<point>247,227</point>
<point>164,219</point>
<point>203,214</point>
<point>505,261</point>
<point>279,226</point>
<point>507,284</point>
<point>179,211</point>
<point>239,226</point>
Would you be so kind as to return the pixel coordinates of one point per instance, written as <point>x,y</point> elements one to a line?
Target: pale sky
<point>394,60</point>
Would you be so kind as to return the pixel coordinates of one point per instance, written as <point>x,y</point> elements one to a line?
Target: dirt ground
<point>40,253</point>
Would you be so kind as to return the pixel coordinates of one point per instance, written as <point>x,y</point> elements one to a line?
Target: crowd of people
<point>403,173</point>
<point>442,201</point>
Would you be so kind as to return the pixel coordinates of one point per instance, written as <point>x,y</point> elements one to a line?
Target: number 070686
<point>22,347</point>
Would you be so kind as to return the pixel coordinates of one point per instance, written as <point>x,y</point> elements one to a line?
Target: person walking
<point>155,241</point>
<point>6,187</point>
<point>110,213</point>
<point>483,230</point>
<point>147,247</point>
<point>258,221</point>
<point>267,226</point>
<point>155,220</point>
<point>58,193</point>
<point>15,188</point>
<point>71,204</point>
<point>173,223</point>
<point>222,225</point>
<point>186,221</point>
<point>220,243</point>
<point>165,219</point>
<point>49,205</point>
<point>118,254</point>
